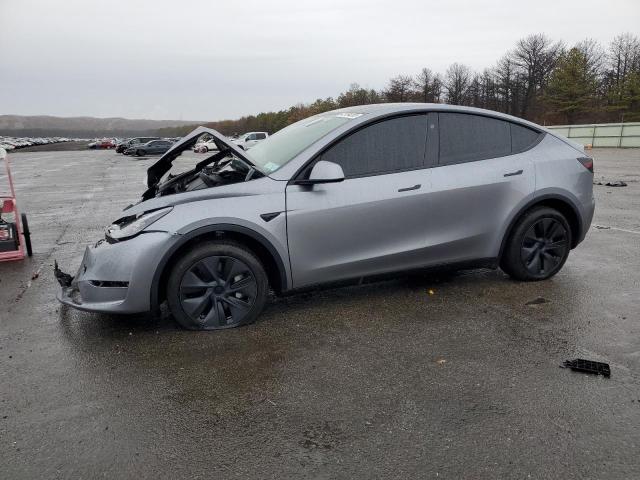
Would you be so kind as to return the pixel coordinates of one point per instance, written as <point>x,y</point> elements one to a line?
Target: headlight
<point>128,227</point>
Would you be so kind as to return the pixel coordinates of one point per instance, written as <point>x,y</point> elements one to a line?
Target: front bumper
<point>116,278</point>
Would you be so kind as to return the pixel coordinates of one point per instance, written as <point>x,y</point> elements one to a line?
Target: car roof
<point>384,109</point>
<point>374,112</point>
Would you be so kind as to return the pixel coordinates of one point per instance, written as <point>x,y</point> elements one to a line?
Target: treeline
<point>540,79</point>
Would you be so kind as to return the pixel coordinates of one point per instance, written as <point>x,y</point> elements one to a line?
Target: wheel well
<point>568,212</point>
<point>274,273</point>
<point>562,206</point>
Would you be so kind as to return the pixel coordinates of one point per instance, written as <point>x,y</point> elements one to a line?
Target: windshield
<point>277,150</point>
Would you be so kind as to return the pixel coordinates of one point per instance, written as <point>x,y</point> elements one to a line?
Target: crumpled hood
<point>258,186</point>
<point>163,165</point>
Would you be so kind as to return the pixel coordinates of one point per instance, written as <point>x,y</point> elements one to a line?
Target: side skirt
<point>491,263</point>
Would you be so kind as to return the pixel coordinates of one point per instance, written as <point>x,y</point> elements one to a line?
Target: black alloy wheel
<point>218,291</point>
<point>538,245</point>
<point>544,246</point>
<point>217,285</point>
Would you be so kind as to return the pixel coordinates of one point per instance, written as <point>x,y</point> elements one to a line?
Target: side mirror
<point>324,172</point>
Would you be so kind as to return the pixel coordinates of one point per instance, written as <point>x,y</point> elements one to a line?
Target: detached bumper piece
<point>64,279</point>
<point>89,295</point>
<point>588,366</point>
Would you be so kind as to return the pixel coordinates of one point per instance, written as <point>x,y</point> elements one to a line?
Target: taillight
<point>587,162</point>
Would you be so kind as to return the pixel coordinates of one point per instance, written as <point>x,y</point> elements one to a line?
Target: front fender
<point>207,226</point>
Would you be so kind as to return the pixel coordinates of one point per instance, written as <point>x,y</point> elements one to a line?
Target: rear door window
<point>467,138</point>
<point>388,146</point>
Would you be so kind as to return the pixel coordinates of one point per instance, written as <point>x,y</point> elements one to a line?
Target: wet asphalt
<point>381,380</point>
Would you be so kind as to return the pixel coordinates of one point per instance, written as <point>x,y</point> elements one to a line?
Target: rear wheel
<point>26,233</point>
<point>539,245</point>
<point>217,285</point>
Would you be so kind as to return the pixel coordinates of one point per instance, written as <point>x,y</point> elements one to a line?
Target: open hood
<point>162,166</point>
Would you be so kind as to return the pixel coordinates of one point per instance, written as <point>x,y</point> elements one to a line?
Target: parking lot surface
<point>380,380</point>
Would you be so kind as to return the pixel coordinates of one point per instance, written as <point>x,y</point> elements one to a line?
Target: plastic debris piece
<point>537,301</point>
<point>64,279</point>
<point>588,366</point>
<point>615,183</point>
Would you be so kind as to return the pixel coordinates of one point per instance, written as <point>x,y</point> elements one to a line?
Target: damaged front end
<point>114,277</point>
<point>181,170</point>
<point>116,274</point>
<point>64,279</point>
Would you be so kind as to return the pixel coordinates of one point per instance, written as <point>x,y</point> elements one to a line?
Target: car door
<point>480,177</point>
<point>250,140</point>
<point>153,147</point>
<point>374,220</point>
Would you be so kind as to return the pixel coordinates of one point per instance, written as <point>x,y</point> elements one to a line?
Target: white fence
<point>602,134</point>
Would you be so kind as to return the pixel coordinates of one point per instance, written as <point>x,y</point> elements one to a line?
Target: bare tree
<point>510,85</point>
<point>475,97</point>
<point>623,58</point>
<point>456,83</point>
<point>356,95</point>
<point>489,90</point>
<point>536,55</point>
<point>400,89</point>
<point>427,86</point>
<point>594,55</point>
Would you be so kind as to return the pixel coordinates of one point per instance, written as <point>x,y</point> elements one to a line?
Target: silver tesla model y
<point>344,194</point>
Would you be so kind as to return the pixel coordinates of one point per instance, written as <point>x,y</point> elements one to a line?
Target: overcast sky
<point>209,60</point>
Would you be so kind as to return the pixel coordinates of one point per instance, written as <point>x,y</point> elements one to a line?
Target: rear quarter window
<point>522,138</point>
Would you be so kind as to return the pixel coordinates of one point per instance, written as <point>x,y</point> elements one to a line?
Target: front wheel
<point>141,153</point>
<point>217,285</point>
<point>539,245</point>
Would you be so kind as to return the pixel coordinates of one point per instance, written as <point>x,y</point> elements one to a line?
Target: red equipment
<point>15,238</point>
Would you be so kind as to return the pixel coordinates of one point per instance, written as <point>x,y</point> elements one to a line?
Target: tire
<point>141,153</point>
<point>26,233</point>
<point>205,293</point>
<point>205,149</point>
<point>538,246</point>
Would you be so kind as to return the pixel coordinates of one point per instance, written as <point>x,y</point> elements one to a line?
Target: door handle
<point>415,187</point>
<point>513,174</point>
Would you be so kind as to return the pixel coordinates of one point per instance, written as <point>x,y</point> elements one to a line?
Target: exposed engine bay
<point>226,166</point>
<point>212,172</point>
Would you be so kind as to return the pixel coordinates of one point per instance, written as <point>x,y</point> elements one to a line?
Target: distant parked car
<point>154,147</point>
<point>249,139</point>
<point>204,147</point>
<point>129,142</point>
<point>103,143</point>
